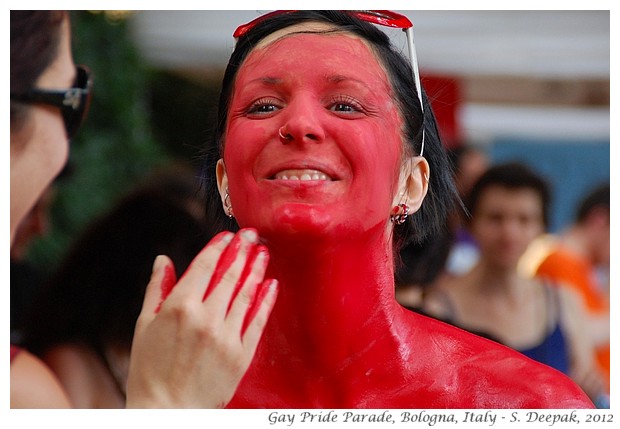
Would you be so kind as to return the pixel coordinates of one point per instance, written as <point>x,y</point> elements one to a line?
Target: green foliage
<point>116,147</point>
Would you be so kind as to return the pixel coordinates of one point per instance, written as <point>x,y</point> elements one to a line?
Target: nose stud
<point>284,136</point>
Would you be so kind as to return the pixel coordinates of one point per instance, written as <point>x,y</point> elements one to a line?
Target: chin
<point>301,222</point>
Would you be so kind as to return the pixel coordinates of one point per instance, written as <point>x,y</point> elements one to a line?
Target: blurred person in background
<point>469,163</point>
<point>419,266</point>
<point>509,209</point>
<point>82,321</point>
<point>49,99</point>
<point>578,258</point>
<point>453,250</point>
<point>25,277</point>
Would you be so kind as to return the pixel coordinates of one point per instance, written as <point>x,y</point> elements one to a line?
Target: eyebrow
<point>266,80</point>
<point>342,78</point>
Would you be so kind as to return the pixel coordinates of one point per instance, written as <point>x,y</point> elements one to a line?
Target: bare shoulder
<point>79,370</point>
<point>34,385</point>
<point>486,374</point>
<point>68,357</point>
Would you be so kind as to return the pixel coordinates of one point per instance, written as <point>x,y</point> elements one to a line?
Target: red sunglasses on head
<point>385,18</point>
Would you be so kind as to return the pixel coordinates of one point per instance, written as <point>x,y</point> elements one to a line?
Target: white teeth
<point>303,175</point>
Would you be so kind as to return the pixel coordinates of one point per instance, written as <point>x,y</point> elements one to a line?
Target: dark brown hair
<point>512,175</point>
<point>442,194</point>
<point>35,35</point>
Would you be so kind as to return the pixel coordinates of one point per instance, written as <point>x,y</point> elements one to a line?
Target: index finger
<point>199,273</point>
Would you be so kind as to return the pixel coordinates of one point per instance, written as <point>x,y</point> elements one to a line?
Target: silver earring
<point>284,136</point>
<point>228,205</point>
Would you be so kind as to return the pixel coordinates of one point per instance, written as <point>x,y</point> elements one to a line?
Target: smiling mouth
<point>302,175</point>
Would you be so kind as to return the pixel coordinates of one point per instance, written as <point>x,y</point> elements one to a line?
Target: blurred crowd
<point>497,271</point>
<point>500,273</point>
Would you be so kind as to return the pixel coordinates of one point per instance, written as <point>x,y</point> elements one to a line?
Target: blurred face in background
<point>598,226</point>
<point>39,149</point>
<point>504,222</point>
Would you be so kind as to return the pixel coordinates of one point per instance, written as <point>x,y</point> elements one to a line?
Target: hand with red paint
<point>192,349</point>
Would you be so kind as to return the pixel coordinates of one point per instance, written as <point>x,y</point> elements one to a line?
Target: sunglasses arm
<point>416,75</point>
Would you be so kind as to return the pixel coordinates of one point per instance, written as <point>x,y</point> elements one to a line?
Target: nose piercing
<point>284,135</point>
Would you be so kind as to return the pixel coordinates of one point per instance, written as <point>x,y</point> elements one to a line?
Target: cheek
<point>482,234</point>
<point>50,137</point>
<point>62,153</point>
<point>376,161</point>
<point>534,229</point>
<point>242,150</point>
<point>242,146</point>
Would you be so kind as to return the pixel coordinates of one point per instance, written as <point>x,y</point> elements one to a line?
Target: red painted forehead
<point>319,51</point>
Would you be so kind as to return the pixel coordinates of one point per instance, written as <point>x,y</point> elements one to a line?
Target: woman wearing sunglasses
<point>324,147</point>
<point>190,348</point>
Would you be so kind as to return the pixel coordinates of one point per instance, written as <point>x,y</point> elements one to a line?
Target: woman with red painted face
<point>195,337</point>
<point>324,148</point>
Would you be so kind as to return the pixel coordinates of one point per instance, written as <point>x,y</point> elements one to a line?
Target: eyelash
<point>346,100</point>
<point>256,108</point>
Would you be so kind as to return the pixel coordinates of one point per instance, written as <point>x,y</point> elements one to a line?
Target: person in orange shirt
<point>577,258</point>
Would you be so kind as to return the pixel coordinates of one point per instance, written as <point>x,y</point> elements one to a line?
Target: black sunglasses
<point>73,102</point>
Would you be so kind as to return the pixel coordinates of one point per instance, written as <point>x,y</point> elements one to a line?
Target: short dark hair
<point>597,198</point>
<point>511,175</point>
<point>35,35</point>
<point>442,193</point>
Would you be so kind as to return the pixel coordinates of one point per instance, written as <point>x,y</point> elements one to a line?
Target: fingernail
<point>262,256</point>
<point>250,235</point>
<point>227,237</point>
<point>159,263</point>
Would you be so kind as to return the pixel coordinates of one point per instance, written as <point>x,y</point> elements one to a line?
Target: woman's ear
<point>222,182</point>
<point>413,183</point>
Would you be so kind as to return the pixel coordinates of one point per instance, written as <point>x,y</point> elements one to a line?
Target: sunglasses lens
<point>74,118</point>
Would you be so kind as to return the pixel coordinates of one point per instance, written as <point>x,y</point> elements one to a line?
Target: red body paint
<point>228,257</point>
<point>223,264</point>
<point>167,284</point>
<point>259,295</point>
<point>337,338</point>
